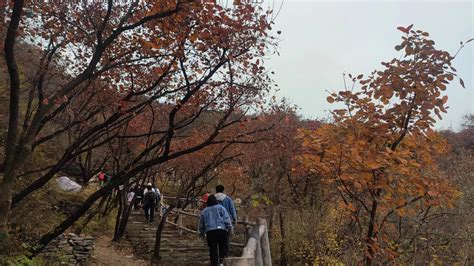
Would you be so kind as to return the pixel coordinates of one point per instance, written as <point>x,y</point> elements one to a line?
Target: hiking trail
<point>176,249</point>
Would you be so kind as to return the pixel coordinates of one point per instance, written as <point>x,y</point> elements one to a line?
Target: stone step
<point>168,254</point>
<point>145,230</point>
<point>170,237</point>
<point>141,228</point>
<point>176,249</point>
<point>177,261</point>
<point>185,263</point>
<point>151,225</point>
<point>138,230</point>
<point>185,256</point>
<point>171,240</point>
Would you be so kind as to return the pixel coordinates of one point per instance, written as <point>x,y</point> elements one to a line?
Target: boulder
<point>67,184</point>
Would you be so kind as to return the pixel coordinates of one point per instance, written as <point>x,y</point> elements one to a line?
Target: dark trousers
<point>218,242</point>
<point>149,211</point>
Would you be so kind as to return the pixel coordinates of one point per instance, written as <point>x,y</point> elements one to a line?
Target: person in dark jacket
<point>138,198</point>
<point>151,199</point>
<point>215,223</point>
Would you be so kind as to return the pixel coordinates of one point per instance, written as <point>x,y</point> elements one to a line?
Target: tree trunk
<point>371,233</point>
<point>9,165</point>
<point>6,188</point>
<point>270,220</point>
<point>109,206</point>
<point>156,252</point>
<point>38,183</point>
<point>127,212</point>
<point>46,238</point>
<point>125,216</point>
<point>90,216</point>
<point>120,212</point>
<point>283,258</point>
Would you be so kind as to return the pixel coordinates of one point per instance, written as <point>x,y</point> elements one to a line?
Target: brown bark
<point>283,258</point>
<point>155,259</point>
<point>120,213</point>
<point>371,233</point>
<point>45,239</point>
<point>90,216</point>
<point>6,188</point>
<point>125,216</point>
<point>8,180</point>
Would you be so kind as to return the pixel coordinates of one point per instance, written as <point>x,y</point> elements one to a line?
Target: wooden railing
<point>181,228</point>
<point>256,251</point>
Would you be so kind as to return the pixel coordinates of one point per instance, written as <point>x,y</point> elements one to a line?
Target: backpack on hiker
<point>151,197</point>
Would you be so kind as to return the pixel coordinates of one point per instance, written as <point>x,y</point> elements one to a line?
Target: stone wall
<point>70,249</point>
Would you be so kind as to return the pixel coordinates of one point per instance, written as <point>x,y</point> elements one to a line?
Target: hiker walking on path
<point>138,198</point>
<point>215,223</point>
<point>226,202</point>
<point>151,199</point>
<point>130,197</point>
<point>101,178</point>
<point>203,200</point>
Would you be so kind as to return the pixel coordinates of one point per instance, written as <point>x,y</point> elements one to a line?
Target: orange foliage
<point>380,151</point>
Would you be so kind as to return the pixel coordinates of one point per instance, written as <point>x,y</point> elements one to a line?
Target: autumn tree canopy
<point>145,90</point>
<point>140,71</point>
<point>380,151</point>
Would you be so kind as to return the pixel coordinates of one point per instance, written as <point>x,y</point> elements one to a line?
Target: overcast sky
<point>322,39</point>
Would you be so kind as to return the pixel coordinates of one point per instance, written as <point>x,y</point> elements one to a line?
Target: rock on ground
<point>67,184</point>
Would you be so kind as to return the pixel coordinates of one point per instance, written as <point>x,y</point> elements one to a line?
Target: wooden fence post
<point>246,228</point>
<point>161,205</point>
<point>180,222</point>
<point>258,250</point>
<point>265,244</point>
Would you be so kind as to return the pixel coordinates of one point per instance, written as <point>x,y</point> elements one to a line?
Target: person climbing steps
<point>216,225</point>
<point>151,199</point>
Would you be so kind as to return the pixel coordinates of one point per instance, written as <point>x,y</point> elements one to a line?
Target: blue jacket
<point>213,218</point>
<point>228,204</point>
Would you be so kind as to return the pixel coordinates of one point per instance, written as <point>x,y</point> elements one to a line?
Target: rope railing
<point>181,227</point>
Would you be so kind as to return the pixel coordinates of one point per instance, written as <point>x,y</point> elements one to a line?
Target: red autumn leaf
<point>405,30</point>
<point>445,99</point>
<point>402,29</point>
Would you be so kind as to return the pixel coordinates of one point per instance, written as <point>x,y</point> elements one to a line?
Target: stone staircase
<point>185,249</point>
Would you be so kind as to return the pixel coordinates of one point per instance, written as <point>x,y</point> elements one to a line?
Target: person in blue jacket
<point>215,223</point>
<point>227,202</point>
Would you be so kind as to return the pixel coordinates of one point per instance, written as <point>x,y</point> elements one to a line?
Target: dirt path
<point>107,254</point>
